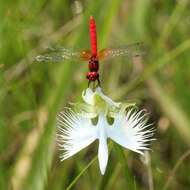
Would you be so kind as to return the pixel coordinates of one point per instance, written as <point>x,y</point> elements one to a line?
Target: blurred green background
<point>31,94</point>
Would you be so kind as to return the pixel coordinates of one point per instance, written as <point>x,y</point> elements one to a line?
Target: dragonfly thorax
<point>93,64</point>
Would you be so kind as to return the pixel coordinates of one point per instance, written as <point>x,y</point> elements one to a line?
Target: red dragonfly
<point>92,56</point>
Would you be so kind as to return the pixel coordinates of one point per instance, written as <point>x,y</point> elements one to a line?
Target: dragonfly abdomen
<point>93,38</point>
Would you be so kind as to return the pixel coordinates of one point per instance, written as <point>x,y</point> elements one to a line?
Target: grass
<point>32,93</point>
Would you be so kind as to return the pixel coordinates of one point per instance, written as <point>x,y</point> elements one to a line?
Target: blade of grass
<point>174,170</point>
<point>17,69</point>
<point>113,7</point>
<point>139,17</point>
<point>42,158</point>
<point>123,161</point>
<point>173,21</point>
<point>27,151</point>
<point>110,170</point>
<point>171,108</point>
<point>113,178</point>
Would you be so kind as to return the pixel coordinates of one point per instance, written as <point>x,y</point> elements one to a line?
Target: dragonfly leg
<point>99,83</point>
<point>93,86</point>
<point>94,83</point>
<point>89,83</point>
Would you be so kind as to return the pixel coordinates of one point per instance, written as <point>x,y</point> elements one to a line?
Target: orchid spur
<point>76,129</point>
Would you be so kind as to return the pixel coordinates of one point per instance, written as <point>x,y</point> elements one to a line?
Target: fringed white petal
<point>132,131</point>
<point>74,133</point>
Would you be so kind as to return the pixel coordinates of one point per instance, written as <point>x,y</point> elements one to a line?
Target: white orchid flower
<point>76,129</point>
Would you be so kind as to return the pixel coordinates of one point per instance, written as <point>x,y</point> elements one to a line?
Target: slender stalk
<point>149,170</point>
<point>81,173</point>
<point>174,170</point>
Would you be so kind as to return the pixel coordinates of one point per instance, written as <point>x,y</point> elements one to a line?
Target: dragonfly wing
<point>131,50</point>
<point>59,54</point>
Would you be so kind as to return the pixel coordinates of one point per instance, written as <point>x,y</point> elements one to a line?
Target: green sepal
<point>84,109</point>
<point>114,111</point>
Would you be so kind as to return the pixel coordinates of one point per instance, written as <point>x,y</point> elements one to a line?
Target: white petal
<point>106,98</point>
<point>103,148</point>
<point>74,133</point>
<point>131,131</point>
<point>87,96</point>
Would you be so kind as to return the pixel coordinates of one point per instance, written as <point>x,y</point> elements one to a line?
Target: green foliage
<point>31,94</point>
